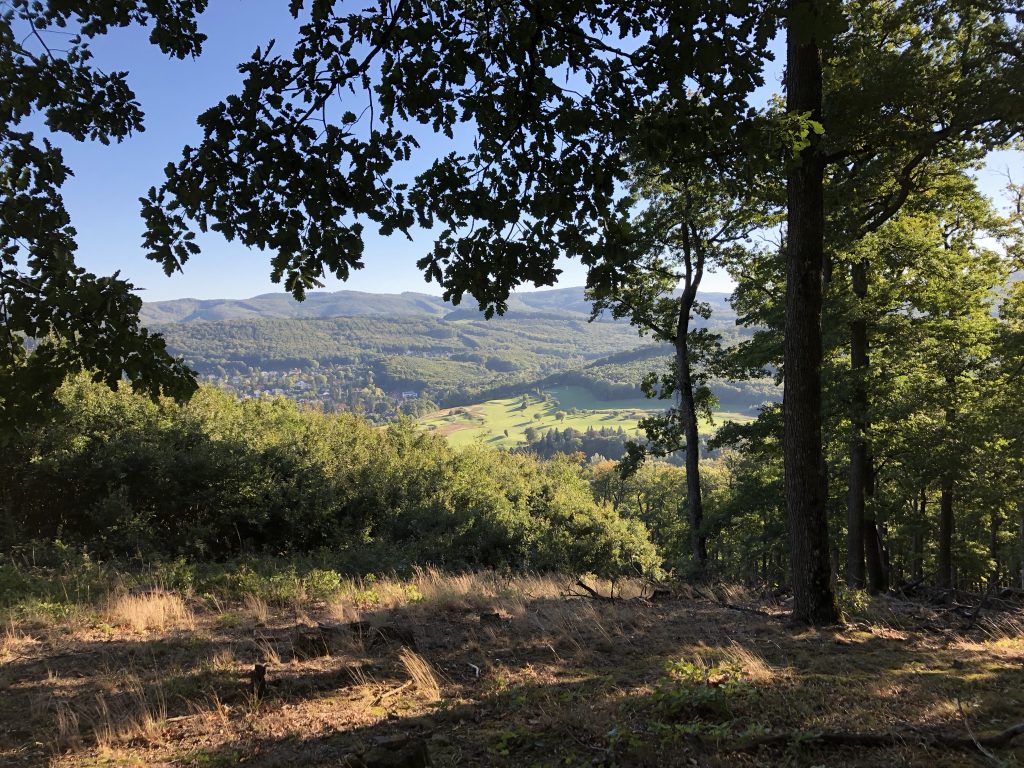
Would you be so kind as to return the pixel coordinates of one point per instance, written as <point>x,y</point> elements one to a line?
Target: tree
<point>907,89</point>
<point>56,318</point>
<point>554,93</point>
<point>946,346</point>
<point>697,212</point>
<point>804,462</point>
<point>911,90</point>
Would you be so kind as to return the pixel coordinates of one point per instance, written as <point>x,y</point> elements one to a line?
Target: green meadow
<point>503,423</point>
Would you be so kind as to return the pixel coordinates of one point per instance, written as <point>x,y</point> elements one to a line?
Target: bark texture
<point>944,567</point>
<point>813,598</point>
<point>855,500</point>
<point>944,571</point>
<point>688,407</point>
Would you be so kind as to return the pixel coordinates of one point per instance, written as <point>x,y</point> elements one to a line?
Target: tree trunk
<point>944,574</point>
<point>874,548</point>
<point>688,412</point>
<point>864,544</point>
<point>917,555</point>
<point>993,548</point>
<point>856,535</point>
<point>876,554</point>
<point>813,598</point>
<point>1020,536</point>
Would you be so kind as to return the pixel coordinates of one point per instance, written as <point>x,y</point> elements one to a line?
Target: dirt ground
<point>473,671</point>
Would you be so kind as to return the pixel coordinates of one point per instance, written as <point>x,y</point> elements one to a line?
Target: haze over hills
<point>389,354</point>
<point>322,304</point>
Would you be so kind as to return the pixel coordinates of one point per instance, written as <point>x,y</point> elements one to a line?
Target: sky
<point>102,198</point>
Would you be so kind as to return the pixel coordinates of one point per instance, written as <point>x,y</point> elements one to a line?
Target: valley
<point>385,356</point>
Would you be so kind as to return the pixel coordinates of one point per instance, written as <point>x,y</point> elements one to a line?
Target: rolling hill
<point>377,353</point>
<point>561,302</point>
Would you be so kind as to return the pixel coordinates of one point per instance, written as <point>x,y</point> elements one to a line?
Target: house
<point>410,395</point>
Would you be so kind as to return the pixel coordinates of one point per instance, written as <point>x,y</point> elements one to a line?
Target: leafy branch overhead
<point>308,153</point>
<point>55,317</point>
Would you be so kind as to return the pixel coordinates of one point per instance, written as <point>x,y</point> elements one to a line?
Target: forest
<point>355,362</point>
<point>226,541</point>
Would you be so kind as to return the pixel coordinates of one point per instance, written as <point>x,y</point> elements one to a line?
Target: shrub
<point>223,479</point>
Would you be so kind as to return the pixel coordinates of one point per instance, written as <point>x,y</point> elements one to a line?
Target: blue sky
<point>103,196</point>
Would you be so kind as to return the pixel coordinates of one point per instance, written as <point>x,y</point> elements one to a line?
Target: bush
<point>219,479</point>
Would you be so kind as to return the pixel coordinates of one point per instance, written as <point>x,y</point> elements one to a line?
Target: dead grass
<point>752,664</point>
<point>67,732</point>
<point>500,671</point>
<point>453,591</point>
<point>266,653</point>
<point>423,676</point>
<point>257,608</point>
<point>137,714</point>
<point>223,660</point>
<point>15,643</point>
<point>343,611</point>
<point>156,610</point>
<point>125,711</point>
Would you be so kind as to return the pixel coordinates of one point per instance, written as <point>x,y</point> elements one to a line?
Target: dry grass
<point>752,664</point>
<point>223,660</point>
<point>432,588</point>
<point>67,732</point>
<point>452,591</point>
<point>553,679</point>
<point>257,608</point>
<point>1006,627</point>
<point>360,678</point>
<point>157,610</point>
<point>735,594</point>
<point>139,715</point>
<point>422,674</point>
<point>343,611</point>
<point>267,653</point>
<point>131,712</point>
<point>14,643</point>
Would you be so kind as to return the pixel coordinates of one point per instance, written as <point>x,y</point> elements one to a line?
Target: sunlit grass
<point>487,422</point>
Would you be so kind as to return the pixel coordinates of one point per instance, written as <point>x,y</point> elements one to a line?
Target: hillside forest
<point>635,523</point>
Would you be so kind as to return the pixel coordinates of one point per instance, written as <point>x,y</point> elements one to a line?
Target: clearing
<point>488,422</point>
<point>488,670</point>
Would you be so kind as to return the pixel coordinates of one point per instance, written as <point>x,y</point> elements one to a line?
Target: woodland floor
<point>552,680</point>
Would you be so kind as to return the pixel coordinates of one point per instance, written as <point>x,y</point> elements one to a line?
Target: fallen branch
<point>658,591</point>
<point>910,588</point>
<point>590,591</point>
<point>972,616</point>
<point>967,726</point>
<point>756,611</point>
<point>392,692</point>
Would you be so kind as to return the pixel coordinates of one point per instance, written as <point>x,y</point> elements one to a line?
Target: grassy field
<point>490,670</point>
<point>502,423</point>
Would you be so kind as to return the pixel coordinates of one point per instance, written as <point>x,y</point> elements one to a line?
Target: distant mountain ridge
<point>565,302</point>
